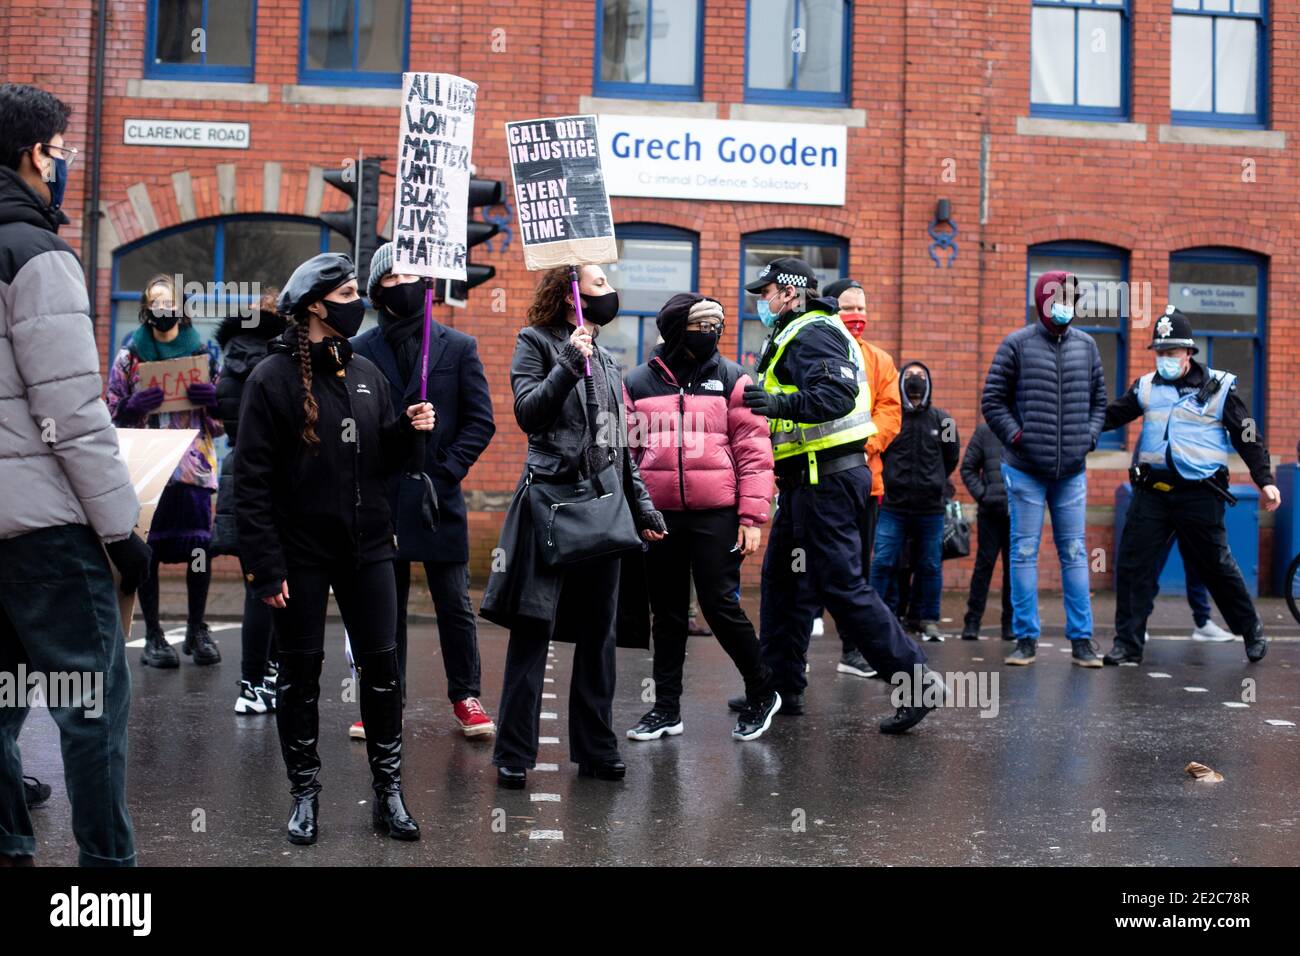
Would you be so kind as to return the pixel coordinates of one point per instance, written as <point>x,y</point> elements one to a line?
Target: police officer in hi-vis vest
<point>1192,418</point>
<point>817,399</point>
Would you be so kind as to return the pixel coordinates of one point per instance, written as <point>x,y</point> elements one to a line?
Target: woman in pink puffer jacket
<point>707,462</point>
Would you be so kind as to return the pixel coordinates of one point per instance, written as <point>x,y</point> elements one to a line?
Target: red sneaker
<point>473,719</point>
<point>357,731</point>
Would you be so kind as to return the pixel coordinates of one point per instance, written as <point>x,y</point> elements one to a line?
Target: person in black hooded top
<point>318,439</point>
<point>244,341</point>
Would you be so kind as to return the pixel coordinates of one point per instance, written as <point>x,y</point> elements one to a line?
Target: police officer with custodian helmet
<point>1192,418</point>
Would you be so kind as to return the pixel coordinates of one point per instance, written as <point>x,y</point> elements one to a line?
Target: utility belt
<point>1163,482</point>
<point>796,477</point>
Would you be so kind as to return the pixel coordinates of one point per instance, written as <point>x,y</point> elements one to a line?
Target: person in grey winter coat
<point>69,506</point>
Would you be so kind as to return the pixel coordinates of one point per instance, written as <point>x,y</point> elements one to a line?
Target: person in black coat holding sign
<point>575,602</point>
<point>458,391</point>
<point>318,440</point>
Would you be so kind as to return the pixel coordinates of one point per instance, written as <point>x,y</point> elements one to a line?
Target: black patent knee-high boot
<point>381,712</point>
<point>298,721</point>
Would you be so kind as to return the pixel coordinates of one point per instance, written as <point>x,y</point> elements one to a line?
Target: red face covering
<point>855,322</point>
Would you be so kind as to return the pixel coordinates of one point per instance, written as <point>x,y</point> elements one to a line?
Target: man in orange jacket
<point>886,413</point>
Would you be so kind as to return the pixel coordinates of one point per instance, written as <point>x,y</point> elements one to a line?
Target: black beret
<point>313,280</point>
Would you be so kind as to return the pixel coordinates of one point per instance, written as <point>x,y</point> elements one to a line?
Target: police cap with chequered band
<point>786,271</point>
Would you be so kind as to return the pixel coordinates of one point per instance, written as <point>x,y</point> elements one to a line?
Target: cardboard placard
<point>431,201</point>
<point>151,455</point>
<point>559,192</point>
<point>174,376</point>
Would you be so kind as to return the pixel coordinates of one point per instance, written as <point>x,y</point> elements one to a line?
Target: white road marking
<point>546,835</point>
<point>544,797</point>
<point>1157,674</point>
<point>547,767</point>
<point>548,715</point>
<point>1234,703</point>
<point>546,696</point>
<point>1280,723</point>
<point>548,740</point>
<point>1196,690</point>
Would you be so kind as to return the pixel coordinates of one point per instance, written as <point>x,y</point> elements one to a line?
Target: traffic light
<point>360,224</point>
<point>482,192</point>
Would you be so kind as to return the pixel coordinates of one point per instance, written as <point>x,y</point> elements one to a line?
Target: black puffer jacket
<point>923,454</point>
<point>298,506</point>
<point>1045,399</point>
<point>242,348</point>
<point>981,469</point>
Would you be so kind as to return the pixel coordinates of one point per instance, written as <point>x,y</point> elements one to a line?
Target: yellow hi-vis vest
<point>791,438</point>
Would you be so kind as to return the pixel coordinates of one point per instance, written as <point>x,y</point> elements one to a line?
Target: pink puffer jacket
<point>696,443</point>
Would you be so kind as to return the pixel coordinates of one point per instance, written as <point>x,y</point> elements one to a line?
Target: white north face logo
<point>1164,327</point>
<point>712,385</point>
<point>363,389</point>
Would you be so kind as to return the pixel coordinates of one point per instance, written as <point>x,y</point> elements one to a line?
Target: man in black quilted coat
<point>1045,399</point>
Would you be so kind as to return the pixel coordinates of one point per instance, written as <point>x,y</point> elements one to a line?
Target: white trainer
<point>1213,634</point>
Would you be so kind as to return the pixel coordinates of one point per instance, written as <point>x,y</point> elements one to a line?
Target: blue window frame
<point>649,48</point>
<point>199,40</point>
<point>827,254</point>
<point>1218,63</point>
<point>654,263</point>
<point>235,258</point>
<point>354,42</point>
<point>1224,292</point>
<point>797,52</point>
<point>1102,309</point>
<point>1079,53</point>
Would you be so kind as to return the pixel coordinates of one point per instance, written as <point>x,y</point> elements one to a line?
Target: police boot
<point>381,712</point>
<point>298,722</point>
<point>1256,646</point>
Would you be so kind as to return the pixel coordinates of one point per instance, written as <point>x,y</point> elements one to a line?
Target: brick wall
<point>935,80</point>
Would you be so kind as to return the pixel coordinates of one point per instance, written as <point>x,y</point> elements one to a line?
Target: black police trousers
<point>815,558</point>
<point>1193,514</point>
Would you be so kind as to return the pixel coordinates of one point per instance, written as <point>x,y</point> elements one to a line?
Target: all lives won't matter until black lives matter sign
<point>560,198</point>
<point>433,172</point>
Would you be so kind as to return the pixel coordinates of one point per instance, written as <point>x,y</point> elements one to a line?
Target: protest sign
<point>559,192</point>
<point>174,377</point>
<point>431,202</point>
<point>151,456</point>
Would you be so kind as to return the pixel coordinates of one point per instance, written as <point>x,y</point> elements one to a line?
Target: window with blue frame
<point>828,255</point>
<point>234,259</point>
<point>1223,293</point>
<point>654,264</point>
<point>353,42</point>
<point>1102,309</point>
<point>797,51</point>
<point>1217,63</point>
<point>649,48</point>
<point>1079,54</point>
<point>201,40</point>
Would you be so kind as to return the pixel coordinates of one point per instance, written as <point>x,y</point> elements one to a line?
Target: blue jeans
<point>1027,498</point>
<point>893,529</point>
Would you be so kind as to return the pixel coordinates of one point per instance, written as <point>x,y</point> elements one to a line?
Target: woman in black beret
<point>318,439</point>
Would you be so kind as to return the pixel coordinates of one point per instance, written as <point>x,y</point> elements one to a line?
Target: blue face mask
<point>1062,314</point>
<point>59,185</point>
<point>1169,367</point>
<point>765,314</point>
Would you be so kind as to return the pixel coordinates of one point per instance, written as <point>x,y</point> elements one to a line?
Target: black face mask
<point>701,345</point>
<point>914,387</point>
<point>405,301</point>
<point>344,317</point>
<point>600,309</point>
<point>162,321</point>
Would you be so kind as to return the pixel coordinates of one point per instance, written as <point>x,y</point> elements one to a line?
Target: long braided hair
<point>310,409</point>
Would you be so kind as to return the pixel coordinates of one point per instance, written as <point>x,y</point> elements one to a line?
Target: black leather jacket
<point>550,407</point>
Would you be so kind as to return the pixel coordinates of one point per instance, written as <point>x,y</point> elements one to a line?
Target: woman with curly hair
<point>575,602</point>
<point>182,524</point>
<point>318,440</point>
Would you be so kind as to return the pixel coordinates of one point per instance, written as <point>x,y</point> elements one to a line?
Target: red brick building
<point>1142,142</point>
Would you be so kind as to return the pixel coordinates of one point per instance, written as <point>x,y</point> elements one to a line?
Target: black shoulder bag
<point>587,518</point>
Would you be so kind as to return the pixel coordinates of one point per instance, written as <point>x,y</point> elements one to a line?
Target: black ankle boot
<point>298,723</point>
<point>157,652</point>
<point>381,712</point>
<point>199,643</point>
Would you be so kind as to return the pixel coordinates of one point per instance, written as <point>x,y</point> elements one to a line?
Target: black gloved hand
<point>131,557</point>
<point>766,403</point>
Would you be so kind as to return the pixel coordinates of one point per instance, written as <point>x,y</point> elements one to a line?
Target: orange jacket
<point>886,408</point>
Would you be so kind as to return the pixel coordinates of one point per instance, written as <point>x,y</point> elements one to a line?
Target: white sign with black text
<point>172,132</point>
<point>680,158</point>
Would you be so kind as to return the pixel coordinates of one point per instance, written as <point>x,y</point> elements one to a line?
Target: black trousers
<point>993,530</point>
<point>702,544</point>
<point>197,584</point>
<point>457,632</point>
<point>585,615</point>
<point>814,558</point>
<point>1194,515</point>
<point>256,638</point>
<point>367,600</point>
